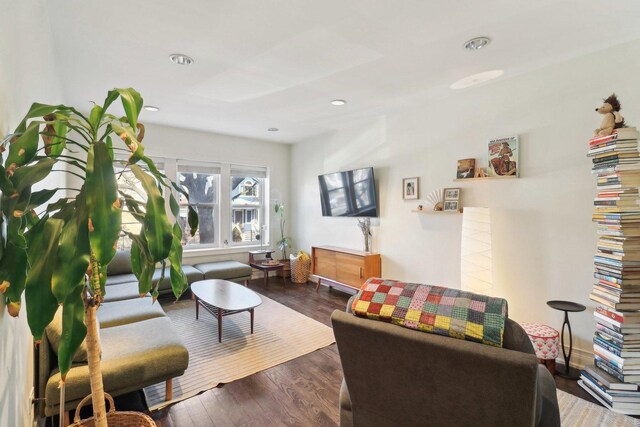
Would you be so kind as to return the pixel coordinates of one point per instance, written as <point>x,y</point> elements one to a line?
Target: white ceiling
<point>278,63</point>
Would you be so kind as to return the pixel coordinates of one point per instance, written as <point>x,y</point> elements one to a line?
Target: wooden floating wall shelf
<point>485,177</point>
<point>426,211</point>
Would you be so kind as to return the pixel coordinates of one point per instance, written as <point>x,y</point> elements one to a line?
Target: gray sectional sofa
<point>135,334</point>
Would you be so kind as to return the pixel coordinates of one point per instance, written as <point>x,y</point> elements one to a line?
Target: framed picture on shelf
<point>466,168</point>
<point>450,206</point>
<point>410,188</point>
<point>503,156</point>
<point>452,194</point>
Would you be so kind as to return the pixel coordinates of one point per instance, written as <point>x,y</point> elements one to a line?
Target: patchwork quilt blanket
<point>434,309</point>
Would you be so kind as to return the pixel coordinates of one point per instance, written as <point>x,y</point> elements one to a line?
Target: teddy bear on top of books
<point>612,117</point>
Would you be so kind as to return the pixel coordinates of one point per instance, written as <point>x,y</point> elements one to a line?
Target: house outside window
<point>248,216</point>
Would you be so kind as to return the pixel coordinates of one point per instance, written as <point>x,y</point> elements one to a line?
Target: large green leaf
<point>59,142</point>
<point>157,228</point>
<point>105,215</point>
<point>13,271</point>
<point>73,253</point>
<point>127,134</point>
<point>41,197</point>
<point>141,265</point>
<point>132,104</point>
<point>41,303</point>
<point>24,148</point>
<point>73,329</point>
<point>26,176</point>
<point>6,186</point>
<point>95,116</point>
<point>178,279</point>
<point>38,110</point>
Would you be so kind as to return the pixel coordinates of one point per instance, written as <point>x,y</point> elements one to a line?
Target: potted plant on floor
<point>57,253</point>
<point>284,243</point>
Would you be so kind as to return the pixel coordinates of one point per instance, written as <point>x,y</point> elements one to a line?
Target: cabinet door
<point>350,269</point>
<point>324,263</point>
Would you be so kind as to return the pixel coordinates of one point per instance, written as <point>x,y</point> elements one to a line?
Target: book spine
<point>609,369</point>
<point>610,357</point>
<point>608,346</point>
<point>615,316</point>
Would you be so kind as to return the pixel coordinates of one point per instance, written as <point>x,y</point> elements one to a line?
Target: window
<point>202,182</point>
<point>248,186</point>
<point>222,194</point>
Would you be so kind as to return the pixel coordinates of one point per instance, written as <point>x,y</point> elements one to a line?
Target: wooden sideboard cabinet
<point>344,267</point>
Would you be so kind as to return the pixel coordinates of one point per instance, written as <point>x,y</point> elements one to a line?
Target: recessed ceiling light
<point>477,43</point>
<point>151,108</point>
<point>273,129</point>
<point>338,102</point>
<point>180,59</point>
<point>477,79</point>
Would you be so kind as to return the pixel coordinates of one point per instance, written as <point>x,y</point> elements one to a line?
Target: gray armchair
<point>394,376</point>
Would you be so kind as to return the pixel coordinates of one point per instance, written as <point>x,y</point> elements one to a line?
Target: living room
<point>257,100</point>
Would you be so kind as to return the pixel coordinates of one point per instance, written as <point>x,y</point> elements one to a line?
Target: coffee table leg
<point>197,308</point>
<point>219,325</point>
<point>265,279</point>
<point>251,311</point>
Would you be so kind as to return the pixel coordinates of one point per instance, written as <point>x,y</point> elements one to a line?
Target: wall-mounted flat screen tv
<point>350,193</point>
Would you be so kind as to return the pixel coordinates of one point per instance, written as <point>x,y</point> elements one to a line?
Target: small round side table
<point>573,307</point>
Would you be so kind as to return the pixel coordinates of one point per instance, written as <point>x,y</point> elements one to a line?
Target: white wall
<point>27,74</point>
<point>543,237</point>
<point>171,142</point>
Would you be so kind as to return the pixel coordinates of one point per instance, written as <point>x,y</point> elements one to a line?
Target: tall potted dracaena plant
<point>57,253</point>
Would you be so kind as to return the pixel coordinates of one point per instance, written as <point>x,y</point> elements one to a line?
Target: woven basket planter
<point>114,418</point>
<point>300,270</point>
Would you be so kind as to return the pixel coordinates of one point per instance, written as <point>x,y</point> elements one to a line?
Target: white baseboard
<point>579,358</point>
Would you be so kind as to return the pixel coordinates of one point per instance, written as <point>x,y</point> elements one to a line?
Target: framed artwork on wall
<point>452,194</point>
<point>466,168</point>
<point>503,156</point>
<point>410,188</point>
<point>451,206</point>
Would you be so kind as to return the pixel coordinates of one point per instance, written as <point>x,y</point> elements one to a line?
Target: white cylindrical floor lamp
<point>476,260</point>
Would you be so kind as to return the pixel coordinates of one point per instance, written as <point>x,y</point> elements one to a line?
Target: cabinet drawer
<point>350,269</point>
<point>324,263</point>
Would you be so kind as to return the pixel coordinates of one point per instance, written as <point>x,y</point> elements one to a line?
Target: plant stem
<point>93,347</point>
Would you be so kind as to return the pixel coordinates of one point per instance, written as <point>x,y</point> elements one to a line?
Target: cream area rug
<point>280,334</point>
<point>576,412</point>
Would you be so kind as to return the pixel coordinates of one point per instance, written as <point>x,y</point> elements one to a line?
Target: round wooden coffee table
<point>222,298</point>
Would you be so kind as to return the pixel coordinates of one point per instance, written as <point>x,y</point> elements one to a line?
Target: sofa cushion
<point>54,333</point>
<point>224,270</point>
<point>120,264</point>
<point>434,309</point>
<point>193,275</point>
<point>122,291</point>
<point>133,356</point>
<point>128,311</point>
<point>121,278</point>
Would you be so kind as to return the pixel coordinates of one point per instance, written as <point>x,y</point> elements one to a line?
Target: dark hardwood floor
<point>303,391</point>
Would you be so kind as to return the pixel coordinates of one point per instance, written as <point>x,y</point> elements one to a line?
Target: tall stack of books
<point>614,376</point>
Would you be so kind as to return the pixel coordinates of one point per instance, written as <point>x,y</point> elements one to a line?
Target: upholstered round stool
<point>546,342</point>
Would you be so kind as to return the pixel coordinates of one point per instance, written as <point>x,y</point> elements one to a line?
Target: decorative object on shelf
<point>365,227</point>
<point>410,188</point>
<point>451,194</point>
<point>466,168</point>
<point>480,173</point>
<point>612,119</point>
<point>476,266</point>
<point>574,307</point>
<point>434,200</point>
<point>503,156</point>
<point>451,206</point>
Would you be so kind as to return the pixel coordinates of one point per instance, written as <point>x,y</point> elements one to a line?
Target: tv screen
<point>351,193</point>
